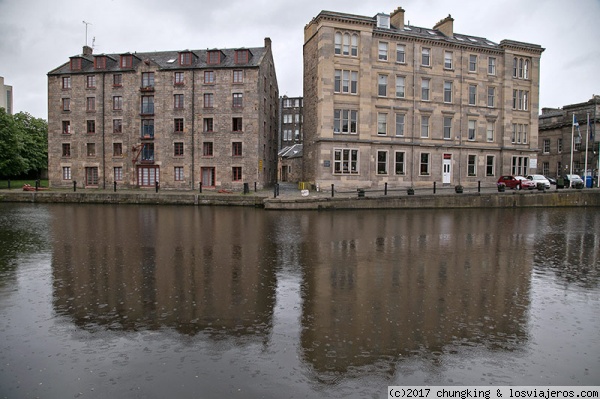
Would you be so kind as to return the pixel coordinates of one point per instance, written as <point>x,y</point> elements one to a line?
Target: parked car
<point>539,179</point>
<point>551,180</point>
<point>516,182</point>
<point>526,183</point>
<point>573,180</point>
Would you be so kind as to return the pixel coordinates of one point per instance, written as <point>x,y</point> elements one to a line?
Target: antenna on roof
<point>86,26</point>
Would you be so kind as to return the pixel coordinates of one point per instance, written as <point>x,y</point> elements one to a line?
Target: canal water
<point>126,301</point>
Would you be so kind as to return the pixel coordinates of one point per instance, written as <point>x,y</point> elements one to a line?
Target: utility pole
<point>86,28</point>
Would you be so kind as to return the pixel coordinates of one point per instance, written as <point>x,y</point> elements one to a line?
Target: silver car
<point>540,179</point>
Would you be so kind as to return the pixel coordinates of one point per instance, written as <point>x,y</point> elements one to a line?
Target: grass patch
<point>18,184</point>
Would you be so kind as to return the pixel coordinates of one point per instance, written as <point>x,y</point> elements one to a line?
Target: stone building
<point>557,136</point>
<point>181,118</point>
<point>6,97</point>
<point>388,102</point>
<point>291,136</point>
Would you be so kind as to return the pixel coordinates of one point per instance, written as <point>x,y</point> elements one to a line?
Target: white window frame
<point>348,157</point>
<point>382,163</point>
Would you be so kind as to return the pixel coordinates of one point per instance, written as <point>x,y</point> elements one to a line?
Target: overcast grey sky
<point>37,36</point>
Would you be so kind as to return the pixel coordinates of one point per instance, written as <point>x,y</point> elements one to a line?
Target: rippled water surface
<point>200,302</point>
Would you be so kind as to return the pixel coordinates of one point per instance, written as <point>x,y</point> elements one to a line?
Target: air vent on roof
<point>459,38</point>
<point>432,32</point>
<point>473,40</point>
<point>172,60</point>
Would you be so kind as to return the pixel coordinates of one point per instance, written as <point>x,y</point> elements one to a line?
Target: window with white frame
<point>491,127</point>
<point>546,147</point>
<point>382,86</point>
<point>400,86</point>
<point>491,66</point>
<point>118,173</point>
<point>559,145</point>
<point>472,94</point>
<point>382,163</point>
<point>448,91</point>
<point>345,81</point>
<point>400,124</point>
<point>401,53</point>
<point>424,126</point>
<point>345,161</point>
<point>425,56</point>
<point>489,166</point>
<point>520,133</point>
<point>425,89</point>
<point>491,97</point>
<point>383,51</point>
<point>345,121</point>
<point>520,68</point>
<point>346,44</point>
<point>66,173</point>
<point>520,100</point>
<point>424,164</point>
<point>178,173</point>
<point>472,63</point>
<point>471,130</point>
<point>382,124</point>
<point>448,64</point>
<point>399,163</point>
<point>472,165</point>
<point>519,166</point>
<point>447,127</point>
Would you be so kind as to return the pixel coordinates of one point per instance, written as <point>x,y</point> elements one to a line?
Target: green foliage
<point>23,144</point>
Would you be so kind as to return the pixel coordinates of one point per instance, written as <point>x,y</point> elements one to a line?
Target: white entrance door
<point>447,169</point>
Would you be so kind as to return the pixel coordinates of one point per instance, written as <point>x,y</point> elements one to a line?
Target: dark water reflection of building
<point>190,269</point>
<point>395,284</point>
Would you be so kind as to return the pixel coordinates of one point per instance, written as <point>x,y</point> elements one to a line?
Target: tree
<point>23,144</point>
<point>12,162</point>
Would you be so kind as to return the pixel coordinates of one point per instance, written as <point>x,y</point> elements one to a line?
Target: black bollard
<point>275,190</point>
<point>254,186</point>
<point>74,185</point>
<point>332,190</point>
<point>115,186</point>
<point>479,186</point>
<point>200,187</point>
<point>156,185</point>
<point>385,189</point>
<point>434,187</point>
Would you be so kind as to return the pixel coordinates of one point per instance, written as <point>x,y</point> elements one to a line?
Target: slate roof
<point>293,151</point>
<point>165,60</point>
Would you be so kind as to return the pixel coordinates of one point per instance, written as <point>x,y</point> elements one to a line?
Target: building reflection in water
<point>190,269</point>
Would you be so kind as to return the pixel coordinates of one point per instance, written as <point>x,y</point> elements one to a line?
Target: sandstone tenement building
<point>388,102</point>
<point>185,119</point>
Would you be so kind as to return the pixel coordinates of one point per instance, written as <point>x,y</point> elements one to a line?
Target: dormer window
<point>126,61</point>
<point>213,57</point>
<point>75,64</point>
<point>383,21</point>
<point>241,56</point>
<point>100,62</point>
<point>185,58</point>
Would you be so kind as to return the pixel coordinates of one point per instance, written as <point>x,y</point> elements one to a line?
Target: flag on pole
<point>576,124</point>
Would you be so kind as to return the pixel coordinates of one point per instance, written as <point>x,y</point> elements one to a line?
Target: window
<point>209,77</point>
<point>66,104</point>
<point>238,76</point>
<point>117,149</point>
<point>237,100</point>
<point>346,44</point>
<point>424,126</point>
<point>401,53</point>
<point>90,104</point>
<point>118,173</point>
<point>117,125</point>
<point>147,105</point>
<point>178,125</point>
<point>236,149</point>
<point>447,128</point>
<point>472,94</point>
<point>91,127</point>
<point>75,64</point>
<point>519,166</point>
<point>90,81</point>
<point>117,103</point>
<point>213,57</point>
<point>207,149</point>
<point>546,147</point>
<point>424,164</point>
<point>236,173</point>
<point>472,63</point>
<point>345,121</point>
<point>383,51</point>
<point>345,161</point>
<point>400,86</point>
<point>447,92</point>
<point>354,45</point>
<point>382,167</point>
<point>546,168</point>
<point>208,100</point>
<point>382,86</point>
<point>491,100</point>
<point>491,66</point>
<point>66,150</point>
<point>490,131</point>
<point>91,149</point>
<point>399,163</point>
<point>126,61</point>
<point>236,124</point>
<point>66,127</point>
<point>208,124</point>
<point>91,176</point>
<point>178,101</point>
<point>100,62</point>
<point>425,57</point>
<point>345,81</point>
<point>66,173</point>
<point>178,173</point>
<point>448,60</point>
<point>66,82</point>
<point>185,58</point>
<point>147,79</point>
<point>471,130</point>
<point>178,149</point>
<point>472,165</point>
<point>520,100</point>
<point>148,152</point>
<point>178,78</point>
<point>148,128</point>
<point>381,124</point>
<point>489,166</point>
<point>520,68</point>
<point>117,80</point>
<point>559,145</point>
<point>337,43</point>
<point>425,89</point>
<point>400,124</point>
<point>241,56</point>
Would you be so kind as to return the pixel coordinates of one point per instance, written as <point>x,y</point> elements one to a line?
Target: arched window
<point>346,47</point>
<point>354,46</point>
<point>338,43</point>
<point>515,67</point>
<point>526,70</point>
<point>520,67</point>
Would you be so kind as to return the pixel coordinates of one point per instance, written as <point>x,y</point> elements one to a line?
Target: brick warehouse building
<point>387,102</point>
<point>178,117</point>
